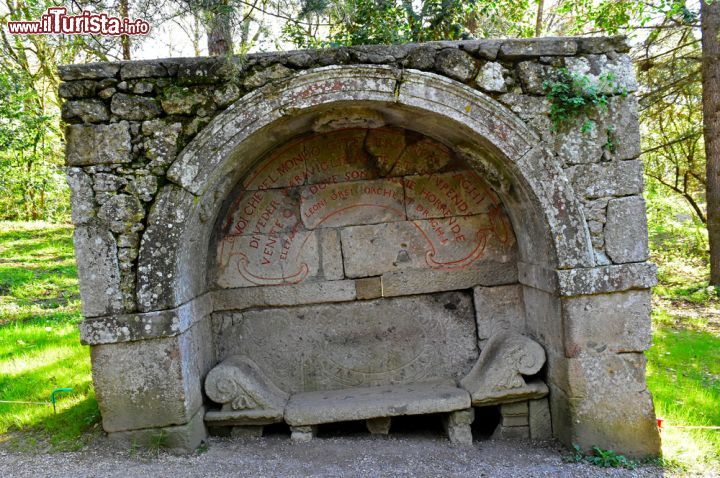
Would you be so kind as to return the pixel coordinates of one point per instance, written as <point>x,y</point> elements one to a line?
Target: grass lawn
<point>39,341</point>
<point>40,351</point>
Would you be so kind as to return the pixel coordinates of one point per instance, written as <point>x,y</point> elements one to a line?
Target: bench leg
<point>379,426</point>
<point>457,426</point>
<point>514,424</point>
<point>300,434</point>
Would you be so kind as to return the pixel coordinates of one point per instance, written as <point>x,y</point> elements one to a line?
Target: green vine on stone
<point>574,96</point>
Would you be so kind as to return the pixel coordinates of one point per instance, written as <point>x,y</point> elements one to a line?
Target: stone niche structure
<point>361,233</point>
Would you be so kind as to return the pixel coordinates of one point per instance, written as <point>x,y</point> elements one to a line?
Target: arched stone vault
<point>550,223</point>
<point>571,302</point>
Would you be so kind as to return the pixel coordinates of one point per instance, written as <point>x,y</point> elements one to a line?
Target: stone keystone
<point>498,374</point>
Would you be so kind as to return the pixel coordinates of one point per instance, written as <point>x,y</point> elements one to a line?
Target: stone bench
<point>375,404</point>
<point>250,401</point>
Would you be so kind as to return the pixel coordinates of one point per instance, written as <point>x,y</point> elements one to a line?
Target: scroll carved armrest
<point>497,376</point>
<point>239,385</point>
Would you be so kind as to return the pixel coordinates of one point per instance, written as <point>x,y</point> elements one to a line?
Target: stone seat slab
<point>362,403</point>
<point>243,417</point>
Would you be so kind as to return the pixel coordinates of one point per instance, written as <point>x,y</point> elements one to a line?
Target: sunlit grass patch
<point>40,346</point>
<point>684,377</point>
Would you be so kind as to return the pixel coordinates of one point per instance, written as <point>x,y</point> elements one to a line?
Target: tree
<point>710,20</point>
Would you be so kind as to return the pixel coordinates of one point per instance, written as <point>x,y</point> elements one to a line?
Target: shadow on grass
<point>67,430</point>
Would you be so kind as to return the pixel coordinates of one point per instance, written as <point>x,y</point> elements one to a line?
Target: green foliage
<point>32,182</point>
<point>601,458</point>
<point>574,96</point>
<point>158,441</point>
<point>363,22</point>
<point>40,347</point>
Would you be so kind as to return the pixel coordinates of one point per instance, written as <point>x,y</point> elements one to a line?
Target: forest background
<point>676,50</point>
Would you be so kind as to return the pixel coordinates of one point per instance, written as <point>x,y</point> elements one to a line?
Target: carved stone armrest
<point>247,396</point>
<point>497,376</point>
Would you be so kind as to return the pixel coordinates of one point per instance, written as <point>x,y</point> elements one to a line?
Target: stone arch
<point>548,220</point>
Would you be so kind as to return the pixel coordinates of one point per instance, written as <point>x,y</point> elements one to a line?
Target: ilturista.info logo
<point>56,21</point>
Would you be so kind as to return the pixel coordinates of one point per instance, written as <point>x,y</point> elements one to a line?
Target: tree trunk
<point>539,18</point>
<point>220,30</point>
<point>710,21</point>
<point>125,39</point>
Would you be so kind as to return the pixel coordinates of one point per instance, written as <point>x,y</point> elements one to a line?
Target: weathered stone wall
<point>143,210</point>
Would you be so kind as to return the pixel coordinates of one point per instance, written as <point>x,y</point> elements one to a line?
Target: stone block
<point>150,383</point>
<point>385,145</point>
<point>514,409</point>
<point>624,122</point>
<point>618,322</point>
<point>460,243</point>
<point>94,145</point>
<point>331,261</point>
<point>143,326</point>
<point>616,419</point>
<point>275,258</point>
<point>296,294</point>
<point>410,282</point>
<point>160,248</point>
<point>82,200</point>
<point>132,107</point>
<point>262,212</point>
<point>600,280</point>
<point>539,420</point>
<point>337,156</point>
<point>455,64</point>
<point>160,144</point>
<point>490,78</point>
<point>597,45</point>
<point>457,426</point>
<point>616,178</point>
<point>379,426</point>
<point>322,347</point>
<point>443,195</point>
<point>588,375</point>
<point>542,317</point>
<point>123,214</point>
<point>532,76</point>
<point>352,203</point>
<point>87,111</point>
<point>515,421</point>
<point>302,434</point>
<point>362,403</point>
<point>626,234</point>
<point>575,146</point>
<point>368,288</point>
<point>178,440</point>
<point>88,71</point>
<point>77,89</point>
<point>98,271</point>
<point>421,157</point>
<point>536,47</point>
<point>483,48</point>
<point>142,69</point>
<point>262,76</point>
<point>498,309</point>
<point>183,101</point>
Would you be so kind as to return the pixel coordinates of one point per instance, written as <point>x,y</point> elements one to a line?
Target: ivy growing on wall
<point>575,96</point>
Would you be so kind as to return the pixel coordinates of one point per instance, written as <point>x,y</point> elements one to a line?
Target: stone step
<point>363,403</point>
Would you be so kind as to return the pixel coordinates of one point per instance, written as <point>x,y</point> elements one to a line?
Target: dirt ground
<point>408,455</point>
